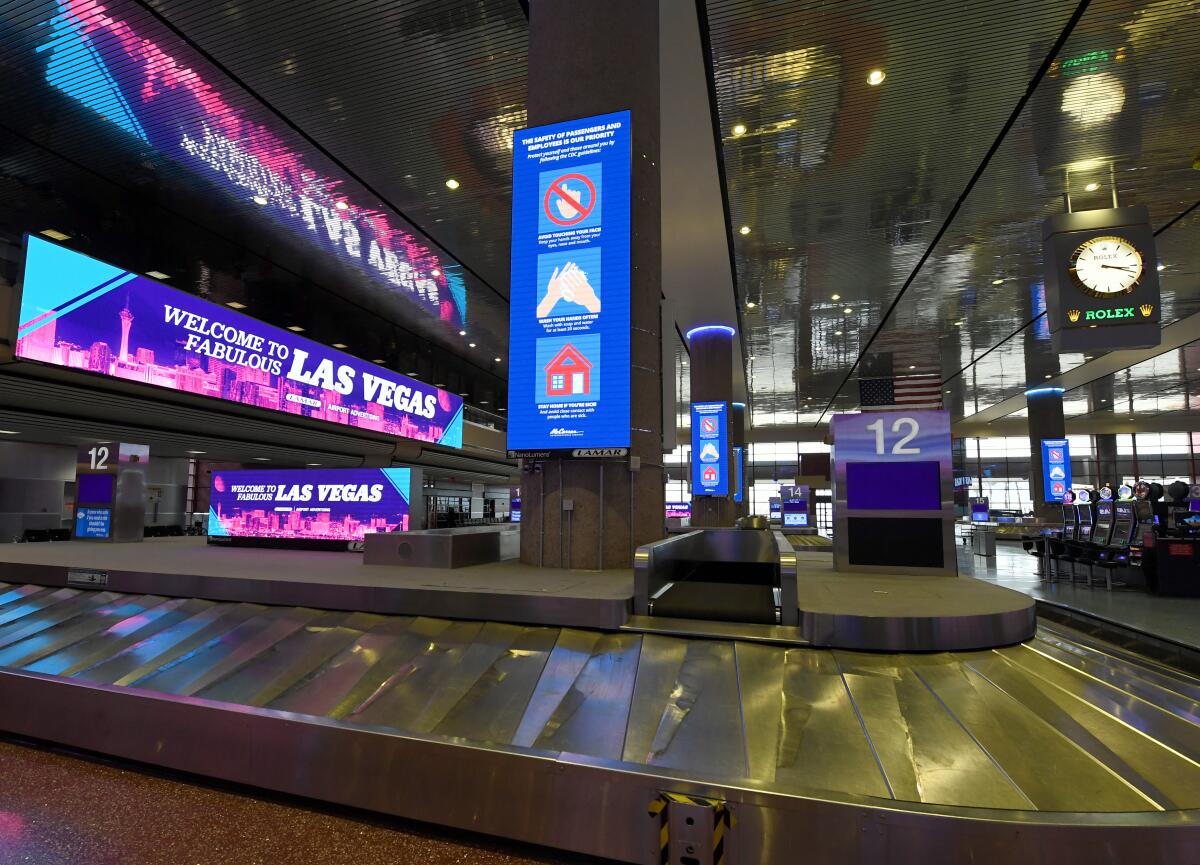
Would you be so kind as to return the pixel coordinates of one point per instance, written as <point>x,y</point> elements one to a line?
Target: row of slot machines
<point>1119,526</point>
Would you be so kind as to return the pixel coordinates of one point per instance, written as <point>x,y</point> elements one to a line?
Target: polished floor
<point>1174,619</point>
<point>1115,732</point>
<point>63,809</point>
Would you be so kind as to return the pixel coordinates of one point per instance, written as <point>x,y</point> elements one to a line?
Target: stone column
<point>712,381</point>
<point>589,57</point>
<point>1045,422</point>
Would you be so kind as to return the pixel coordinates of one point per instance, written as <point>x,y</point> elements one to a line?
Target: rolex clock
<point>1101,280</point>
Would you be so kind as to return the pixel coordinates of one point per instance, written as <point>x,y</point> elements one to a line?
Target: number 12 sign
<point>892,460</point>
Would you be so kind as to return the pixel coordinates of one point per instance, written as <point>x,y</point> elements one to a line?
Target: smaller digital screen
<point>94,489</point>
<point>679,510</point>
<point>795,519</point>
<point>93,522</point>
<point>893,486</point>
<point>1194,505</point>
<point>776,509</point>
<point>514,513</point>
<point>979,516</point>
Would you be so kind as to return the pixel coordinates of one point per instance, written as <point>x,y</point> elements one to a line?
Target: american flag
<point>898,381</point>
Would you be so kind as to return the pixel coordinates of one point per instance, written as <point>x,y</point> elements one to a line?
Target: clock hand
<point>1118,267</point>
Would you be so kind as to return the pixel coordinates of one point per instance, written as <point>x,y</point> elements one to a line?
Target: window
<point>557,381</point>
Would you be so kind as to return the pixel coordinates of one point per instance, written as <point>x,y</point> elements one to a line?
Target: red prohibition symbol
<point>582,211</point>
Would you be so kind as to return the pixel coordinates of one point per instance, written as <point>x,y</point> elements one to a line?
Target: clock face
<point>1106,266</point>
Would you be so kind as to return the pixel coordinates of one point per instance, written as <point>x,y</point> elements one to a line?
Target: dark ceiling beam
<point>311,141</point>
<point>1013,116</point>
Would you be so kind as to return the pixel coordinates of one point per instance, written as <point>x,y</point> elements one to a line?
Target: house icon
<point>568,373</point>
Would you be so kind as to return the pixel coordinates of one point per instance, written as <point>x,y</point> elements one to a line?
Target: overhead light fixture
<point>451,183</point>
<point>719,328</point>
<point>875,77</point>
<point>413,374</point>
<point>1039,391</point>
<point>259,199</point>
<point>470,345</point>
<point>998,280</point>
<point>438,384</point>
<point>847,310</point>
<point>501,408</point>
<point>1161,267</point>
<point>836,297</point>
<point>379,360</point>
<point>750,304</point>
<point>8,432</point>
<point>295,328</point>
<point>464,394</point>
<point>262,459</point>
<point>462,333</point>
<point>1092,187</point>
<point>745,229</point>
<point>1049,376</point>
<point>947,391</point>
<point>739,129</point>
<point>483,402</point>
<point>233,304</point>
<point>958,323</point>
<point>837,333</point>
<point>312,464</point>
<point>435,272</point>
<point>497,359</point>
<point>156,274</point>
<point>54,234</point>
<point>195,452</point>
<point>340,345</point>
<point>341,205</point>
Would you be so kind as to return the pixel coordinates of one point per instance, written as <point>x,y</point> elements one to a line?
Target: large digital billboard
<point>157,93</point>
<point>83,314</point>
<point>308,504</point>
<point>710,449</point>
<point>569,304</point>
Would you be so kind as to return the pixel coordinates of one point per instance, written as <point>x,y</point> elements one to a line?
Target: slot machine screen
<point>897,486</point>
<point>1085,531</point>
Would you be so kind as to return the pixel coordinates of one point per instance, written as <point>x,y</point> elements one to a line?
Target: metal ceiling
<point>908,200</point>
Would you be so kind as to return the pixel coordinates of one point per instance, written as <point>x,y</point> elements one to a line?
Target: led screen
<point>569,310</point>
<point>1056,469</point>
<point>679,510</point>
<point>910,486</point>
<point>514,514</point>
<point>710,449</point>
<point>116,67</point>
<point>309,504</point>
<point>81,313</point>
<point>94,489</point>
<point>95,523</point>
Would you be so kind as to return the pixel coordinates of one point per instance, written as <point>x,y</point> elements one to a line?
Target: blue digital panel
<point>569,303</point>
<point>710,449</point>
<point>910,486</point>
<point>93,523</point>
<point>795,512</point>
<point>514,513</point>
<point>737,474</point>
<point>1056,468</point>
<point>94,489</point>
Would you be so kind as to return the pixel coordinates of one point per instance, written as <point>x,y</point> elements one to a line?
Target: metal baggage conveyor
<point>1061,739</point>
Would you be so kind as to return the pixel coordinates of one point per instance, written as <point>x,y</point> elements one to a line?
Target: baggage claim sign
<point>569,313</point>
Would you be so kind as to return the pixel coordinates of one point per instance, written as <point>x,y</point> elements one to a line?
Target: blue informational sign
<point>892,461</point>
<point>737,474</point>
<point>710,449</point>
<point>980,510</point>
<point>795,512</point>
<point>514,513</point>
<point>569,303</point>
<point>93,523</point>
<point>1056,468</point>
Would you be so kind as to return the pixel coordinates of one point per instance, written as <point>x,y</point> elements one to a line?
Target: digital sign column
<point>1056,468</point>
<point>569,374</point>
<point>710,449</point>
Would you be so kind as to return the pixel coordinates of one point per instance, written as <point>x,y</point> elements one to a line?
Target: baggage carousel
<point>1062,748</point>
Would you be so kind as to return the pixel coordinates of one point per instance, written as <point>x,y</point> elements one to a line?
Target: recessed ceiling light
<point>875,77</point>
<point>54,234</point>
<point>1048,376</point>
<point>435,272</point>
<point>1092,187</point>
<point>8,432</point>
<point>195,452</point>
<point>750,304</point>
<point>312,464</point>
<point>341,205</point>
<point>958,323</point>
<point>262,459</point>
<point>464,394</point>
<point>295,328</point>
<point>340,345</point>
<point>837,333</point>
<point>483,402</point>
<point>745,229</point>
<point>462,333</point>
<point>412,374</point>
<point>497,359</point>
<point>470,345</point>
<point>912,366</point>
<point>1093,325</point>
<point>1161,267</point>
<point>947,391</point>
<point>156,274</point>
<point>451,183</point>
<point>739,129</point>
<point>998,280</point>
<point>233,304</point>
<point>836,297</point>
<point>847,310</point>
<point>259,199</point>
<point>379,360</point>
<point>501,409</point>
<point>438,384</point>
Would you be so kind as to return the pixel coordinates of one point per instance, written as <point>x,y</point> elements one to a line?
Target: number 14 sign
<point>892,436</point>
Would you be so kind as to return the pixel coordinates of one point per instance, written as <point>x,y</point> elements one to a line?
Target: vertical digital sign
<point>710,449</point>
<point>1056,468</point>
<point>737,474</point>
<point>569,301</point>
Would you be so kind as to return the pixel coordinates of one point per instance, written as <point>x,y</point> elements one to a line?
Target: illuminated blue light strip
<point>723,328</point>
<point>1040,391</point>
<point>739,405</point>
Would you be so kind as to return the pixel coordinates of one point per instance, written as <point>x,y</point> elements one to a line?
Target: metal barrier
<point>443,548</point>
<point>766,557</point>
